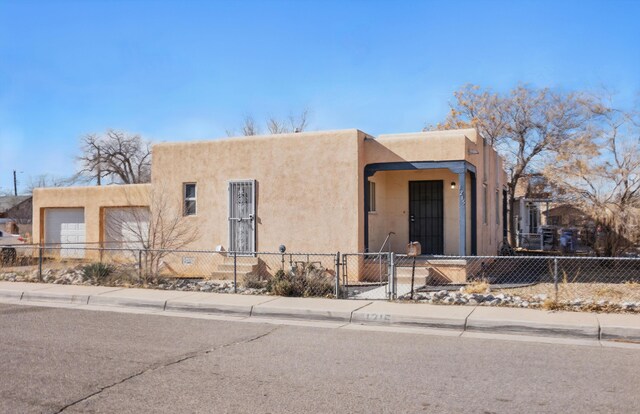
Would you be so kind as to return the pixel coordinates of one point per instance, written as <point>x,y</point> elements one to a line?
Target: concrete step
<point>430,271</point>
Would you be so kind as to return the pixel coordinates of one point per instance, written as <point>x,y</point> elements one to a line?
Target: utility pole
<point>15,184</point>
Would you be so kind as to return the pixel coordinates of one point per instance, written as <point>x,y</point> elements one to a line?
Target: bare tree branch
<point>120,156</point>
<point>293,123</point>
<point>527,126</point>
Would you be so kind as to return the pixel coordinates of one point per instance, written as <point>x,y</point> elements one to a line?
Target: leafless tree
<point>48,180</point>
<point>604,180</point>
<point>154,231</point>
<point>527,126</point>
<point>293,123</point>
<point>124,158</point>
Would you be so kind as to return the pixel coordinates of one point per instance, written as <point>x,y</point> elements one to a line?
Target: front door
<point>426,216</point>
<point>242,216</point>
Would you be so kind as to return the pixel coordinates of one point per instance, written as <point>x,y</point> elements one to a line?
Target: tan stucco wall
<point>307,187</point>
<point>310,188</point>
<point>92,199</point>
<point>420,146</point>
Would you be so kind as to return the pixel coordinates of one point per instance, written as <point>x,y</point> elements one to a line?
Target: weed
<point>253,281</point>
<point>478,286</point>
<point>551,304</point>
<point>97,272</point>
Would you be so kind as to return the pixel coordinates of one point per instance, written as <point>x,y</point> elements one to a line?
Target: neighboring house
<point>18,211</point>
<point>533,198</point>
<point>324,191</point>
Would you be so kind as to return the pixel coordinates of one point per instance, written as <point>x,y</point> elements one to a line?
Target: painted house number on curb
<point>378,317</point>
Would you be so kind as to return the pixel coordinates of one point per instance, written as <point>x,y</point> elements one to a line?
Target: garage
<point>65,227</point>
<point>126,227</point>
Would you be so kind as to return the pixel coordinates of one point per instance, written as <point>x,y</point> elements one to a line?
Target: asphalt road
<point>63,360</point>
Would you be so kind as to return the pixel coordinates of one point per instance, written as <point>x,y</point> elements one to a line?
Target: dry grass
<point>480,286</point>
<point>611,292</point>
<point>551,304</point>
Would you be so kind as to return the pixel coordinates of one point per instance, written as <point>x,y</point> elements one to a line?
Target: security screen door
<point>426,215</point>
<point>242,214</point>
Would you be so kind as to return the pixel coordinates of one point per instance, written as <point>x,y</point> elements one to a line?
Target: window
<point>533,218</point>
<point>372,197</point>
<point>497,206</point>
<point>189,199</point>
<point>485,206</point>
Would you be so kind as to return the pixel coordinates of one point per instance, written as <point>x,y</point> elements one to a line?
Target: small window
<point>497,206</point>
<point>189,199</point>
<point>372,197</point>
<point>485,203</point>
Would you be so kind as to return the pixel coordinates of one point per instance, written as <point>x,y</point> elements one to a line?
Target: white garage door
<point>126,227</point>
<point>65,226</point>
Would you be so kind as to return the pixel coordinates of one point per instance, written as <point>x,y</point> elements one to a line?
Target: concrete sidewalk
<point>495,320</point>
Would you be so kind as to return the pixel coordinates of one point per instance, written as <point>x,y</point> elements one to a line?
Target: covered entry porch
<point>432,202</point>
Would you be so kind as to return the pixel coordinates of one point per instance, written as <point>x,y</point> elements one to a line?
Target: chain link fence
<point>284,274</point>
<point>540,280</point>
<point>524,279</point>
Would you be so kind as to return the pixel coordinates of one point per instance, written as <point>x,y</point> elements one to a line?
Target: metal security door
<point>242,213</point>
<point>426,216</point>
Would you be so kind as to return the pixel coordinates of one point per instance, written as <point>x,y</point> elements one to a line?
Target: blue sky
<point>183,70</point>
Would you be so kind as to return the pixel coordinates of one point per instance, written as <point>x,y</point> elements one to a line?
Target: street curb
<point>11,294</point>
<point>625,328</point>
<point>611,327</point>
<point>412,315</point>
<point>232,310</point>
<point>127,302</point>
<point>44,296</point>
<point>534,329</point>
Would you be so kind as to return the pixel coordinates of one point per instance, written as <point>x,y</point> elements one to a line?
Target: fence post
<point>235,272</point>
<point>392,276</point>
<point>338,275</point>
<point>40,254</point>
<point>555,277</point>
<point>140,264</point>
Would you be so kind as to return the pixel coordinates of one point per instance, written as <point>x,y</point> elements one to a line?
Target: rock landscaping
<point>542,300</point>
<point>78,276</point>
<point>102,275</point>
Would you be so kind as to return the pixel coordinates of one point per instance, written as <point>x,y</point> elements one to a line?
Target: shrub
<point>304,279</point>
<point>97,272</point>
<point>253,281</point>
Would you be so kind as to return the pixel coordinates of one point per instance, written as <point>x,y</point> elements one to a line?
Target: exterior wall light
<point>453,185</point>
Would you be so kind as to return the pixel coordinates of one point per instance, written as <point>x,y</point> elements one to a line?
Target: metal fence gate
<point>367,276</point>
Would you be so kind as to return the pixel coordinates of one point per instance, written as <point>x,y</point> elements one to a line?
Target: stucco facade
<point>92,199</point>
<point>311,190</point>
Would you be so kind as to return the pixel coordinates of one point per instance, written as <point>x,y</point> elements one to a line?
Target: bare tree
<point>293,123</point>
<point>154,231</point>
<point>124,158</point>
<point>527,126</point>
<point>604,181</point>
<point>48,180</point>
